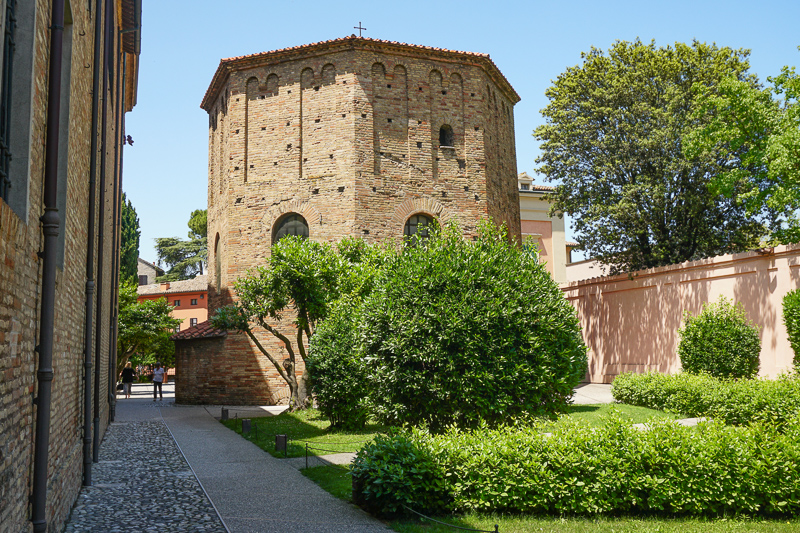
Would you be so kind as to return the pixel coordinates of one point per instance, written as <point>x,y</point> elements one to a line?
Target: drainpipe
<point>101,236</point>
<point>88,326</point>
<point>115,244</point>
<point>50,222</point>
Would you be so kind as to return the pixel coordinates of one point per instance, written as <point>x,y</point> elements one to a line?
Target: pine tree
<point>129,250</point>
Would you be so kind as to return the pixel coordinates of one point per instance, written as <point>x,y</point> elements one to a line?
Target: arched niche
<point>289,224</point>
<point>328,74</point>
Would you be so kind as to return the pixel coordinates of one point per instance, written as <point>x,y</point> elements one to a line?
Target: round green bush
<point>337,373</point>
<point>791,318</point>
<point>459,331</point>
<point>398,471</point>
<point>720,341</point>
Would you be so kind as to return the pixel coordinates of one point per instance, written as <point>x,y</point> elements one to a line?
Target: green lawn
<point>527,524</point>
<point>304,427</point>
<point>309,427</point>
<point>333,478</point>
<point>596,414</point>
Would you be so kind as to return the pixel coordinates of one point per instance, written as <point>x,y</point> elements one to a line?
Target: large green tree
<point>613,145</point>
<point>758,130</point>
<point>182,258</point>
<point>129,250</point>
<point>462,332</point>
<point>144,328</point>
<point>297,286</point>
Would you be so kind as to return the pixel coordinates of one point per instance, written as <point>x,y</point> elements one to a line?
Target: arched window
<point>446,135</point>
<point>290,224</point>
<point>417,228</point>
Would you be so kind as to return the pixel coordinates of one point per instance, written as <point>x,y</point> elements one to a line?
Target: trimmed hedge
<point>721,341</point>
<point>791,318</point>
<point>731,401</point>
<point>710,470</point>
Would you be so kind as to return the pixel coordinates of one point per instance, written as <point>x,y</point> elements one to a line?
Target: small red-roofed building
<point>201,376</point>
<point>189,299</point>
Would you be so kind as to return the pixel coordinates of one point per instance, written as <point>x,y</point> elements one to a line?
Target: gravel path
<point>142,483</point>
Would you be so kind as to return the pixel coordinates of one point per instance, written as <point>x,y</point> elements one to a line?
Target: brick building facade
<point>60,179</point>
<point>353,136</point>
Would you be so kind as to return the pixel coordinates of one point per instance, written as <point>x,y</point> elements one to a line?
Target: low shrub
<point>731,401</point>
<point>338,375</point>
<point>720,341</point>
<point>399,470</point>
<point>710,470</point>
<point>791,318</point>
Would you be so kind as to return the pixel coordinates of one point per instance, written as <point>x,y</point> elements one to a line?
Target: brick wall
<point>18,299</point>
<point>346,134</point>
<point>20,289</point>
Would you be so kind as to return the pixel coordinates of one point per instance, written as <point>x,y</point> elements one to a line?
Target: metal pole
<point>115,240</point>
<point>101,235</point>
<point>50,223</point>
<point>88,326</point>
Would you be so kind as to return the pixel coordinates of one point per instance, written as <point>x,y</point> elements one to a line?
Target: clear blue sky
<point>531,42</point>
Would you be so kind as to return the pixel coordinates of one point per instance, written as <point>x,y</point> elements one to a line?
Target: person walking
<point>127,379</point>
<point>158,382</point>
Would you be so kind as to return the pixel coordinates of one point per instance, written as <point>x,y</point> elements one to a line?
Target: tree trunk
<point>302,390</point>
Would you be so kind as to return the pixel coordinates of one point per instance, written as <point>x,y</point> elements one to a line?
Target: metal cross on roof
<point>359,28</point>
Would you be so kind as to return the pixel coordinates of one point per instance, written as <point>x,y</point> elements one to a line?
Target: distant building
<point>189,298</point>
<point>586,269</point>
<point>548,232</point>
<point>148,272</point>
<point>571,246</point>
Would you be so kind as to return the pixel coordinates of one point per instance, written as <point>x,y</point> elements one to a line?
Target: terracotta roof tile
<point>537,188</point>
<point>229,64</point>
<point>203,330</point>
<point>350,38</point>
<point>153,266</point>
<point>198,283</point>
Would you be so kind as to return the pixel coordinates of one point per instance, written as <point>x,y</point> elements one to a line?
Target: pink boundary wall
<point>630,323</point>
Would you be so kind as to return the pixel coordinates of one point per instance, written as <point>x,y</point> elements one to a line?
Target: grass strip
<point>336,480</point>
<point>307,426</point>
<point>528,524</point>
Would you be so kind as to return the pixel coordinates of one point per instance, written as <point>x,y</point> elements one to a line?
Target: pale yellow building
<point>547,231</point>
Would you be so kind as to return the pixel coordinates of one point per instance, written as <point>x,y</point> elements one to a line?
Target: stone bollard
<point>281,444</point>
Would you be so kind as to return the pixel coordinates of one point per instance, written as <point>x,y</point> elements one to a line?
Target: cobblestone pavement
<point>142,483</point>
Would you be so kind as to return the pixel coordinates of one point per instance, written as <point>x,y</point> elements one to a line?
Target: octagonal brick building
<point>353,136</point>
